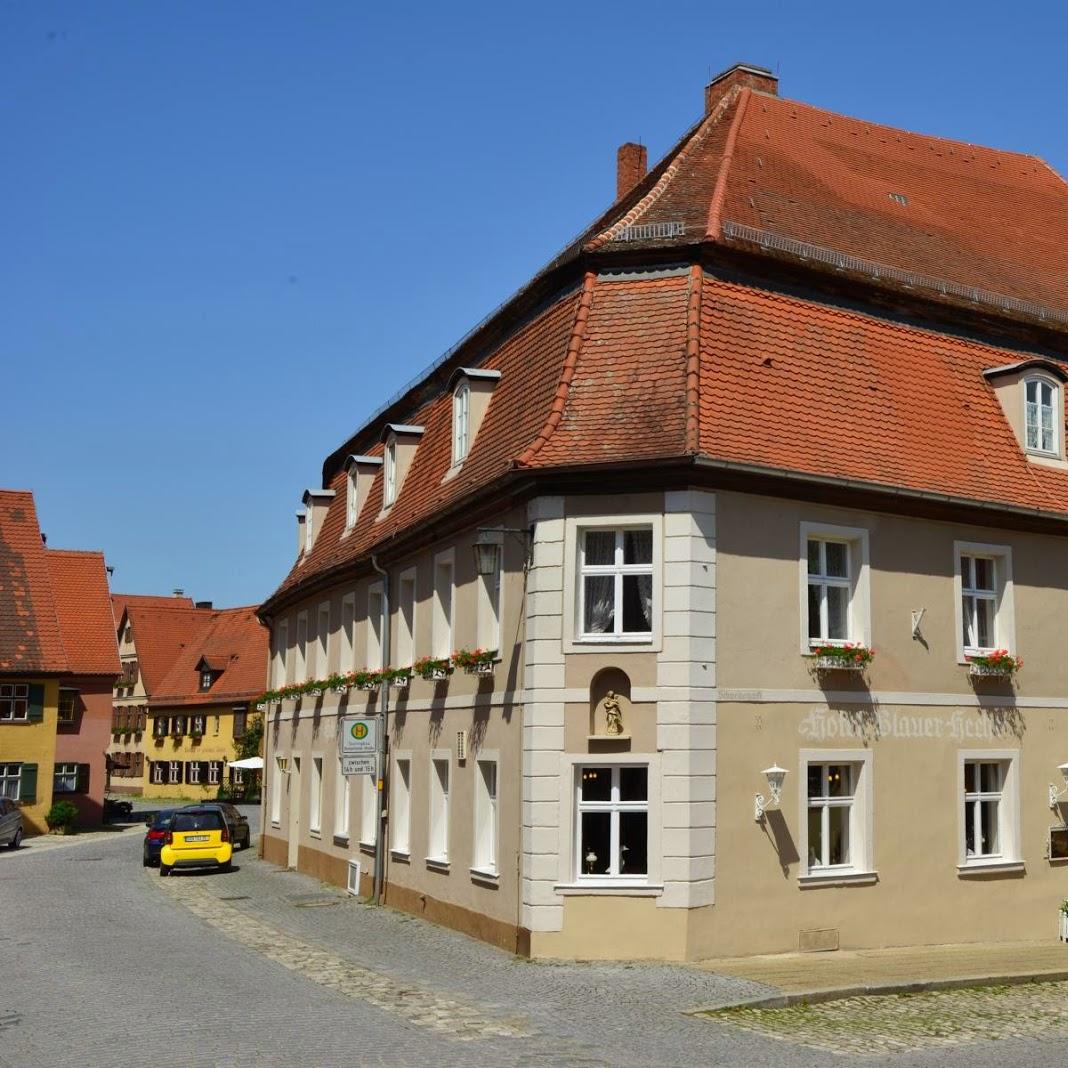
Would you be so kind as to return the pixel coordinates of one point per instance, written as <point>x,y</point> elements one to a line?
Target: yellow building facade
<point>188,753</point>
<point>28,716</point>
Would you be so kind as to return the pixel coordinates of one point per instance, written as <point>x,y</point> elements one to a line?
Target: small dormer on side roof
<point>316,504</point>
<point>401,441</point>
<point>1031,394</point>
<point>360,472</point>
<point>472,389</point>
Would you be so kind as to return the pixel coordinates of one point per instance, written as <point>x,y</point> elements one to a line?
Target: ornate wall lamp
<point>487,547</point>
<point>775,776</point>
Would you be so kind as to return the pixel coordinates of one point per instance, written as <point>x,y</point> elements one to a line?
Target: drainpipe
<point>380,745</point>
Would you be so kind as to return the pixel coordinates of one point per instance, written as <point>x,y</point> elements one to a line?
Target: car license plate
<point>196,837</point>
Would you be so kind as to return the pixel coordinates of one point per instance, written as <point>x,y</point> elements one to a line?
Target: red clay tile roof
<point>233,639</point>
<point>120,602</point>
<point>83,604</point>
<point>160,634</point>
<point>29,628</point>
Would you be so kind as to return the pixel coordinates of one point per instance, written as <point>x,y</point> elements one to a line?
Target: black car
<point>158,827</point>
<point>236,822</point>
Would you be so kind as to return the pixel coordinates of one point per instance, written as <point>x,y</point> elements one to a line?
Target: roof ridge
<point>654,194</point>
<point>693,359</point>
<point>74,552</point>
<point>715,209</point>
<point>574,346</point>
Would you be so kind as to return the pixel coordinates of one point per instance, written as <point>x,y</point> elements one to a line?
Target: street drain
<point>235,897</point>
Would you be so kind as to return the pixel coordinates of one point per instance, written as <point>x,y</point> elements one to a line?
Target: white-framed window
<point>988,787</point>
<point>389,472</point>
<point>461,422</point>
<point>65,779</point>
<point>368,810</point>
<point>375,606</point>
<point>1041,411</point>
<point>67,702</point>
<point>984,598</point>
<point>281,652</point>
<point>486,822</point>
<point>322,632</point>
<point>352,506</point>
<point>277,778</point>
<point>174,772</point>
<point>10,778</point>
<point>214,772</point>
<point>193,772</point>
<point>342,794</point>
<point>308,532</point>
<point>401,808</point>
<point>315,815</point>
<point>438,843</point>
<point>158,769</point>
<point>405,651</point>
<point>612,804</point>
<point>615,595</point>
<point>444,593</point>
<point>347,653</point>
<point>207,677</point>
<point>835,583</point>
<point>14,701</point>
<point>302,647</point>
<point>198,725</point>
<point>488,603</point>
<point>836,800</point>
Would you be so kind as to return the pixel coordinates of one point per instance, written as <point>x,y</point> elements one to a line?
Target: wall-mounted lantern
<point>776,776</point>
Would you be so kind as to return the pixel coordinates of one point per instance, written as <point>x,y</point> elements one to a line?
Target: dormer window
<point>316,504</point>
<point>206,679</point>
<point>351,500</point>
<point>360,473</point>
<point>1040,415</point>
<point>389,486</point>
<point>461,422</point>
<point>308,539</point>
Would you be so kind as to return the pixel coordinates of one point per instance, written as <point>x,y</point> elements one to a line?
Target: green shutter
<point>83,779</point>
<point>36,711</point>
<point>28,783</point>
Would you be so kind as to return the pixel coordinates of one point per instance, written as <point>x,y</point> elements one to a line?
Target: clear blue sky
<point>231,229</point>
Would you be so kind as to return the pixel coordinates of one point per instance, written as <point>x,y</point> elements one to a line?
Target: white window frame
<point>375,611</point>
<point>315,805</point>
<point>346,658</point>
<point>1009,857</point>
<point>406,610</point>
<point>174,772</point>
<point>438,808</point>
<point>20,691</point>
<point>342,803</point>
<point>352,500</point>
<point>10,773</point>
<point>73,696</point>
<point>277,779</point>
<point>368,811</point>
<point>193,773</point>
<point>861,867</point>
<point>614,807</point>
<point>461,423</point>
<point>486,833</point>
<point>1004,609</point>
<point>214,772</point>
<point>301,647</point>
<point>575,528</point>
<point>389,472</point>
<point>400,820</point>
<point>68,772</point>
<point>489,592</point>
<point>443,614</point>
<point>308,540</point>
<point>157,776</point>
<point>1056,407</point>
<point>859,613</point>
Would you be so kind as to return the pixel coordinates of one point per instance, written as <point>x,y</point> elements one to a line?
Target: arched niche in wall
<point>610,702</point>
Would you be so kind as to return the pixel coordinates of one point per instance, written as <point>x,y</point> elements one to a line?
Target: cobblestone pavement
<point>869,1026</point>
<point>105,964</point>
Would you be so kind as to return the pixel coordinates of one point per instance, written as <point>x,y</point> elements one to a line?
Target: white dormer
<point>1031,394</point>
<point>360,472</point>
<point>472,389</point>
<point>316,503</point>
<point>401,441</point>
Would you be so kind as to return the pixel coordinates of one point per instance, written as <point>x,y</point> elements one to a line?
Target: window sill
<point>341,840</point>
<point>438,864</point>
<point>367,847</point>
<point>486,877</point>
<point>845,878</point>
<point>402,856</point>
<point>982,867</point>
<point>613,639</point>
<point>609,888</point>
<point>276,824</point>
<point>315,832</point>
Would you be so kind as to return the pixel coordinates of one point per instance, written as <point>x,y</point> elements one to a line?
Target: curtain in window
<point>600,604</point>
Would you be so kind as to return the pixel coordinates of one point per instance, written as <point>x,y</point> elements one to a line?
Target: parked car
<point>236,821</point>
<point>10,823</point>
<point>157,831</point>
<point>197,838</point>
<point>115,809</point>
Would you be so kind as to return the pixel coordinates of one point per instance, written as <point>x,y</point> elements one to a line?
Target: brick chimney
<point>632,161</point>
<point>738,77</point>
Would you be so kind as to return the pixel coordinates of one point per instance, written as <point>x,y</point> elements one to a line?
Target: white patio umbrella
<point>251,763</point>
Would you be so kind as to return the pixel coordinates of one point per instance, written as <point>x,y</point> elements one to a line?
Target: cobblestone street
<point>106,964</point>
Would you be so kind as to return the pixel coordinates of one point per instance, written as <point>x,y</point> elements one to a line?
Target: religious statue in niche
<point>613,714</point>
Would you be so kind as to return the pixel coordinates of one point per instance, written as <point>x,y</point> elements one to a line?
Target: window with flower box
<point>834,586</point>
<point>984,599</point>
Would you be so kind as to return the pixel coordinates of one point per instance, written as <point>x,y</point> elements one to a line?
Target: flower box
<point>341,688</point>
<point>476,662</point>
<point>1000,664</point>
<point>261,706</point>
<point>368,684</point>
<point>315,692</point>
<point>482,668</point>
<point>990,671</point>
<point>433,669</point>
<point>849,657</point>
<point>400,682</point>
<point>835,663</point>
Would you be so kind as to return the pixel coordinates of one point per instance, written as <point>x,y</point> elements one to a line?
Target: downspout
<point>380,754</point>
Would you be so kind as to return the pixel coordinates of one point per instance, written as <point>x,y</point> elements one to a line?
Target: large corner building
<point>801,387</point>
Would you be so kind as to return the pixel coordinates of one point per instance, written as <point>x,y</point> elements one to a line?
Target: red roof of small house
<point>630,362</point>
<point>160,634</point>
<point>234,643</point>
<point>30,640</point>
<point>83,605</point>
<point>121,601</point>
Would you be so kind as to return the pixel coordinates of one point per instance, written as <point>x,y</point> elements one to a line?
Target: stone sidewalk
<point>43,843</point>
<point>818,977</point>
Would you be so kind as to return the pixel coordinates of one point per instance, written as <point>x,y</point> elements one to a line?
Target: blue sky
<point>232,229</point>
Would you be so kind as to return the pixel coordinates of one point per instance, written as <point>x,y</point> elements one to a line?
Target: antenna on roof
<point>110,570</point>
<point>178,591</point>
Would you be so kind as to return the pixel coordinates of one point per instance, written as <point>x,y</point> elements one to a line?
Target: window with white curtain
<point>439,810</point>
<point>485,852</point>
<point>829,590</point>
<point>461,422</point>
<point>400,813</point>
<point>989,808</point>
<point>979,602</point>
<point>351,500</point>
<point>616,584</point>
<point>389,484</point>
<point>1040,415</point>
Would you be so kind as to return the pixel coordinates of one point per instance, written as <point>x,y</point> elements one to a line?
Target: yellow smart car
<point>198,838</point>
